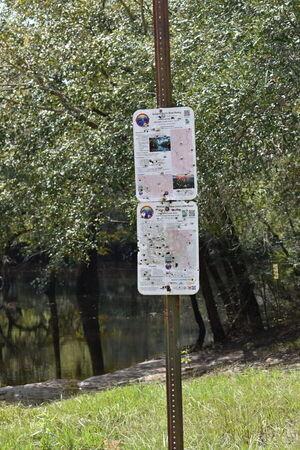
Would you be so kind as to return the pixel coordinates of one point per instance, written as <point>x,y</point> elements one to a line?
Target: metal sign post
<point>162,53</point>
<point>173,372</point>
<point>171,303</point>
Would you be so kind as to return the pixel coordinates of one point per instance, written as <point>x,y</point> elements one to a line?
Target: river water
<point>131,327</point>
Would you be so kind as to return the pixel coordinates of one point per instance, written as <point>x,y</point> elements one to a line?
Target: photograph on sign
<point>165,154</point>
<point>168,255</point>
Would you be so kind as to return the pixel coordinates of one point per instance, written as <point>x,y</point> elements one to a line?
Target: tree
<point>72,74</point>
<point>236,63</point>
<point>68,92</point>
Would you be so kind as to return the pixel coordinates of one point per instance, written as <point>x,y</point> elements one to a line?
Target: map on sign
<point>165,154</point>
<point>168,260</point>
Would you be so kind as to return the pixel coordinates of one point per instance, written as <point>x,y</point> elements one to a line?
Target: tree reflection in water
<point>87,290</point>
<point>75,327</point>
<point>53,322</point>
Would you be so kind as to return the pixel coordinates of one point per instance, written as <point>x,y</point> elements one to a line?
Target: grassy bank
<point>250,410</point>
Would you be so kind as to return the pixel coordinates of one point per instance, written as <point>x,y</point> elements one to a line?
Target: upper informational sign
<point>168,258</point>
<point>165,154</point>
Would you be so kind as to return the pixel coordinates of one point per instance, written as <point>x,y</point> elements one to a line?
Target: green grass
<point>255,409</point>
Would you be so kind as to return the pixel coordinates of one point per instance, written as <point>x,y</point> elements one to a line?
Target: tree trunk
<point>6,277</point>
<point>51,294</point>
<point>87,290</point>
<point>222,288</point>
<point>231,281</point>
<point>198,317</point>
<point>248,315</point>
<point>249,310</point>
<point>212,312</point>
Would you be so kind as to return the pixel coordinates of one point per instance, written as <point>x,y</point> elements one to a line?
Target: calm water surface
<point>131,327</point>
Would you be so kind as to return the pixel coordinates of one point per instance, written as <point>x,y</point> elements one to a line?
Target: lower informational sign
<point>168,255</point>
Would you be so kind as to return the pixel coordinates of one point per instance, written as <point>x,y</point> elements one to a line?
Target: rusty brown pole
<point>173,372</point>
<point>162,53</point>
<point>171,302</point>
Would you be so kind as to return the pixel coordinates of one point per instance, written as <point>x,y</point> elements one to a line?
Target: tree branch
<point>75,111</point>
<point>128,11</point>
<point>43,108</point>
<point>144,22</point>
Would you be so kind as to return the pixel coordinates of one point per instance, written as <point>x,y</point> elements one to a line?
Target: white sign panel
<point>168,258</point>
<point>165,154</point>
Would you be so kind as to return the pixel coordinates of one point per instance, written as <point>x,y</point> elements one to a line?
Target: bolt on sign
<point>168,261</point>
<point>165,154</point>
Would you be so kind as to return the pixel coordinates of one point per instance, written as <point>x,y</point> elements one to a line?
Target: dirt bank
<point>279,347</point>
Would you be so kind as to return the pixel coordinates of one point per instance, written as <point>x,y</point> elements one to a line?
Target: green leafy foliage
<point>73,73</point>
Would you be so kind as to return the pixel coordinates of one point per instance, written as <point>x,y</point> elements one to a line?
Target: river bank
<point>278,347</point>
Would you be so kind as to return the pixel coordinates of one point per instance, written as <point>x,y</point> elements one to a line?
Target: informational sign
<point>168,258</point>
<point>165,154</point>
